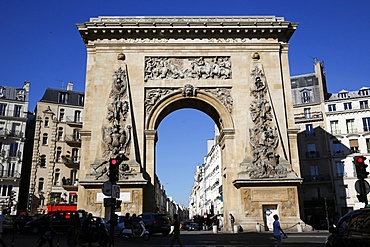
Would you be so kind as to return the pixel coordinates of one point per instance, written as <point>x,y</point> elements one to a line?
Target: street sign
<point>115,191</point>
<point>362,187</point>
<point>107,188</point>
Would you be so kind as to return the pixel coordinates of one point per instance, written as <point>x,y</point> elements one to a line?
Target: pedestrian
<point>277,229</point>
<point>232,222</point>
<point>1,233</point>
<point>47,233</point>
<point>176,231</point>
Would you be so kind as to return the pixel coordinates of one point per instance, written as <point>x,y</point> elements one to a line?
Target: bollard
<point>299,227</point>
<point>236,228</point>
<point>215,230</point>
<point>258,227</point>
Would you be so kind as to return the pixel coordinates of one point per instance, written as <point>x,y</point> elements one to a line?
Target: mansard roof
<point>176,27</point>
<point>52,95</point>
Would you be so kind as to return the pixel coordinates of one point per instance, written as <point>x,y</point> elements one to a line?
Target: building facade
<point>348,125</point>
<point>56,150</point>
<point>13,118</point>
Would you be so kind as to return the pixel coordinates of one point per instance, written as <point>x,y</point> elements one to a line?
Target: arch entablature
<point>201,101</point>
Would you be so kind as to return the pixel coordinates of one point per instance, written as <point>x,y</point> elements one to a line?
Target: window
<point>368,145</point>
<point>311,150</point>
<point>75,155</point>
<point>364,104</point>
<point>305,97</point>
<point>366,123</point>
<point>350,123</point>
<point>46,123</point>
<point>309,82</point>
<point>76,135</point>
<point>17,111</point>
<point>60,134</point>
<point>59,153</point>
<point>43,161</point>
<point>340,169</point>
<point>307,113</point>
<point>41,185</point>
<point>347,106</point>
<point>81,99</point>
<point>337,146</point>
<point>63,98</point>
<point>20,94</point>
<point>2,91</point>
<point>309,130</point>
<point>61,114</point>
<point>73,177</point>
<point>16,129</point>
<point>5,189</point>
<point>314,172</point>
<point>353,144</point>
<point>45,139</point>
<point>332,107</point>
<point>11,169</point>
<point>343,95</point>
<point>334,127</point>
<point>57,176</point>
<point>77,117</point>
<point>2,109</point>
<point>364,92</point>
<point>13,149</point>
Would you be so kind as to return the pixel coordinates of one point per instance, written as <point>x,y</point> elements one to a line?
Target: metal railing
<point>9,174</point>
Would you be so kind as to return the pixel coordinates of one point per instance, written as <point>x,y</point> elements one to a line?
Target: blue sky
<point>40,43</point>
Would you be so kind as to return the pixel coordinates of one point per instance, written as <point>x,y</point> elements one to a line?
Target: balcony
<point>73,140</point>
<point>11,154</point>
<point>316,178</point>
<point>339,153</point>
<point>9,174</point>
<point>69,184</point>
<point>74,121</point>
<point>312,155</point>
<point>11,133</point>
<point>71,161</point>
<point>308,117</point>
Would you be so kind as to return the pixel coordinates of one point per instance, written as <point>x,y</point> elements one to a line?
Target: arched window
<point>60,134</point>
<point>57,176</point>
<point>58,154</point>
<point>46,123</point>
<point>45,139</point>
<point>41,185</point>
<point>43,161</point>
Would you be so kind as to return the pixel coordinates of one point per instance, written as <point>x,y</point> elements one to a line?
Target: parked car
<point>194,227</point>
<point>186,224</point>
<point>352,230</point>
<point>118,228</point>
<point>61,221</point>
<point>7,223</point>
<point>156,223</point>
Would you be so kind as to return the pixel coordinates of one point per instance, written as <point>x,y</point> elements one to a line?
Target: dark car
<point>194,227</point>
<point>353,230</point>
<point>61,221</point>
<point>156,223</point>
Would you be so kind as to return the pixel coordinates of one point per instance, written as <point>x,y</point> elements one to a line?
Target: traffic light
<point>361,166</point>
<point>114,170</point>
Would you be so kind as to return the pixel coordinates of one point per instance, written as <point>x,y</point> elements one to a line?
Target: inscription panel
<point>269,195</point>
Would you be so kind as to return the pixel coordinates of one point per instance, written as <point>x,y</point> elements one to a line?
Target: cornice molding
<point>120,27</point>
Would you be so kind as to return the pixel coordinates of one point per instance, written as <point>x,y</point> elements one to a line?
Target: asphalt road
<point>192,239</point>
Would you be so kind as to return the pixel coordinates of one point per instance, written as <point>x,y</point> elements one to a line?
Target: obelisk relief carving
<point>264,137</point>
<point>117,129</point>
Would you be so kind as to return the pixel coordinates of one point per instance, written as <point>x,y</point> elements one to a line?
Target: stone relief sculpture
<point>152,97</point>
<point>264,137</point>
<point>189,90</point>
<point>159,68</point>
<point>223,95</point>
<point>116,134</point>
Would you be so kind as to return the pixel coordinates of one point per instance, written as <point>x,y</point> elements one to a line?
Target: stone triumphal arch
<point>235,69</point>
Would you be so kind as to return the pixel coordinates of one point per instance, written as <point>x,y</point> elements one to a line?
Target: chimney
<point>70,86</point>
<point>26,86</point>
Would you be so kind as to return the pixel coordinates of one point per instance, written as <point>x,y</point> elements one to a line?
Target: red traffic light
<point>360,159</point>
<point>113,161</point>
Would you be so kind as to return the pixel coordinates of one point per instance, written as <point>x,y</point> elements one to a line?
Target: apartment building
<point>13,118</point>
<point>348,121</point>
<point>56,150</point>
<point>206,195</point>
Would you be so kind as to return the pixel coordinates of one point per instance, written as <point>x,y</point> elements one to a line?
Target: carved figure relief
<point>188,90</point>
<point>264,137</point>
<point>251,209</point>
<point>152,97</point>
<point>159,68</point>
<point>116,134</point>
<point>223,95</point>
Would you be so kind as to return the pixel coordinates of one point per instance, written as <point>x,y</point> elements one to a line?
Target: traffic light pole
<point>112,223</point>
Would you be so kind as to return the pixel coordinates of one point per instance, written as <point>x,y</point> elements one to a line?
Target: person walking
<point>47,233</point>
<point>176,231</point>
<point>232,222</point>
<point>277,229</point>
